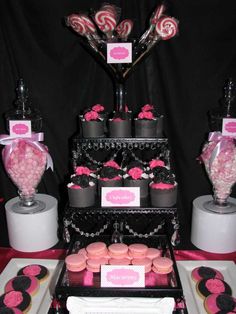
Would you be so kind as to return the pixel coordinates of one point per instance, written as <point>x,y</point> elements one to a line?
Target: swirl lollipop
<point>166,27</point>
<point>105,19</point>
<point>124,28</point>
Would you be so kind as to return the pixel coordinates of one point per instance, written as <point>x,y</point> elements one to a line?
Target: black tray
<point>70,284</point>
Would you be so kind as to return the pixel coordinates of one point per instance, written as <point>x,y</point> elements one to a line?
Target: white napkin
<point>90,305</point>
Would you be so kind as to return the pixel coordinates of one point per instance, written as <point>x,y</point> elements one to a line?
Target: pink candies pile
<point>25,166</point>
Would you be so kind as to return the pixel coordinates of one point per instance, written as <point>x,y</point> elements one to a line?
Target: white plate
<point>42,299</point>
<point>193,301</point>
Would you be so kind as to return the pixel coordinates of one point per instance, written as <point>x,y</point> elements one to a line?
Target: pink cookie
<point>153,253</point>
<point>220,303</point>
<point>29,284</point>
<point>39,271</point>
<point>119,261</point>
<point>205,287</point>
<point>203,272</point>
<point>83,252</point>
<point>94,265</point>
<point>75,262</point>
<point>96,250</point>
<point>162,265</point>
<point>20,300</point>
<point>118,250</point>
<point>138,250</point>
<point>146,262</point>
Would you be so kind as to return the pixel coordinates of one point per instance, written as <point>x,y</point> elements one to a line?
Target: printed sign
<point>119,52</point>
<point>122,276</point>
<point>120,196</point>
<point>229,127</point>
<point>20,128</point>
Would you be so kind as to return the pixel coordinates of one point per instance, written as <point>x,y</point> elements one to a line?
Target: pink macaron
<point>83,252</point>
<point>94,265</point>
<point>153,253</point>
<point>119,261</point>
<point>138,250</point>
<point>162,265</point>
<point>75,262</point>
<point>96,250</point>
<point>118,250</point>
<point>146,262</point>
<point>30,284</point>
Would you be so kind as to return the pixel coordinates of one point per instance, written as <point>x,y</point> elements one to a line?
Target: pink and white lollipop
<point>77,23</point>
<point>105,19</point>
<point>124,28</point>
<point>157,14</point>
<point>166,27</point>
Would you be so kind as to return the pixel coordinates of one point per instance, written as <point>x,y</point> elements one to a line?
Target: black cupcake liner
<point>82,197</point>
<point>145,128</point>
<point>142,184</point>
<point>120,128</point>
<point>92,128</point>
<point>163,198</point>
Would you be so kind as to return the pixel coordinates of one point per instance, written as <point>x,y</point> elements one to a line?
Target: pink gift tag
<point>229,127</point>
<point>120,196</point>
<point>20,128</point>
<point>119,52</point>
<point>122,276</point>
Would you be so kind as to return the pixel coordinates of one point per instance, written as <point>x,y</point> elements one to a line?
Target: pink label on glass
<point>20,128</point>
<point>122,276</point>
<point>229,127</point>
<point>120,197</point>
<point>119,52</point>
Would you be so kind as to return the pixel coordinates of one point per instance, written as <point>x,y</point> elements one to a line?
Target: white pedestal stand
<point>33,232</point>
<point>213,232</point>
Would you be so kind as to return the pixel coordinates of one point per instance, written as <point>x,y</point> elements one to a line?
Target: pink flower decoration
<point>117,119</point>
<point>111,163</point>
<point>155,163</point>
<point>98,108</point>
<point>135,173</point>
<point>82,170</point>
<point>91,115</point>
<point>162,186</point>
<point>75,187</point>
<point>147,107</point>
<point>146,115</point>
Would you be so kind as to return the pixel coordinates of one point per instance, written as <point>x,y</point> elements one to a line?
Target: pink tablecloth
<point>6,254</point>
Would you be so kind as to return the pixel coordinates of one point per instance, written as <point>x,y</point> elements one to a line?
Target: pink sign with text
<point>120,197</point>
<point>229,127</point>
<point>20,128</point>
<point>122,276</point>
<point>119,52</point>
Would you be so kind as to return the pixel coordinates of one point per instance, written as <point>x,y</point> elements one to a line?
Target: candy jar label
<point>20,128</point>
<point>229,127</point>
<point>119,53</point>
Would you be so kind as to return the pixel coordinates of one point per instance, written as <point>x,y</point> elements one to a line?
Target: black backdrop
<point>183,77</point>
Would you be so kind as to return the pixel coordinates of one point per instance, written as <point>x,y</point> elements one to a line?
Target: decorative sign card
<point>120,196</point>
<point>119,52</point>
<point>229,127</point>
<point>122,276</point>
<point>20,128</point>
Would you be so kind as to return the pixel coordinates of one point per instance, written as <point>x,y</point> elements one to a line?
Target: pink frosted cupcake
<point>120,125</point>
<point>92,124</point>
<point>163,188</point>
<point>110,175</point>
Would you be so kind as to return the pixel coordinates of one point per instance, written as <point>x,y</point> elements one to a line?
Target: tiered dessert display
<point>219,158</point>
<point>25,159</point>
<point>119,150</point>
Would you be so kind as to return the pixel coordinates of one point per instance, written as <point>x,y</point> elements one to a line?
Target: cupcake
<point>163,188</point>
<point>82,188</point>
<point>92,124</point>
<point>100,109</point>
<point>136,176</point>
<point>110,175</point>
<point>120,125</point>
<point>149,123</point>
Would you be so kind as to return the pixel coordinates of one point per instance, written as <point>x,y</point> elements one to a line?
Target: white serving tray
<point>193,301</point>
<point>42,299</point>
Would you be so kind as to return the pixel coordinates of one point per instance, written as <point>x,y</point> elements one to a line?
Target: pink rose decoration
<point>98,108</point>
<point>91,115</point>
<point>111,163</point>
<point>82,170</point>
<point>146,115</point>
<point>147,107</point>
<point>135,173</point>
<point>155,163</point>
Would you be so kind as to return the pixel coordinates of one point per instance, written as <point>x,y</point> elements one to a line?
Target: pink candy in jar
<point>25,165</point>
